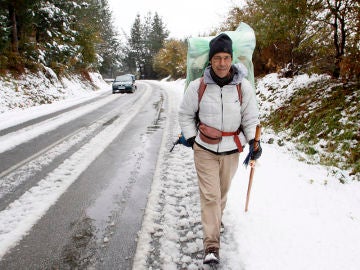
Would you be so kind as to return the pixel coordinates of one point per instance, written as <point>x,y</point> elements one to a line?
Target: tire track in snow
<point>19,217</point>
<point>13,139</point>
<point>25,169</point>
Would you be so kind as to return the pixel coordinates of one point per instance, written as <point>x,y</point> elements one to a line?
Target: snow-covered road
<point>19,216</point>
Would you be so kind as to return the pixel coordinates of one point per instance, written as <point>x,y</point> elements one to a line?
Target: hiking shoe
<point>211,255</point>
<point>222,227</point>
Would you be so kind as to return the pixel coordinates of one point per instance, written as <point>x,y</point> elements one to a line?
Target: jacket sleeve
<point>188,109</point>
<point>249,110</point>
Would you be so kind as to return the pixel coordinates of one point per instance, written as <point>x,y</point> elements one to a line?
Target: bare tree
<point>340,15</point>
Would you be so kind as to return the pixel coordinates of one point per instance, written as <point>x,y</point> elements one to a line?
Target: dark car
<point>124,84</point>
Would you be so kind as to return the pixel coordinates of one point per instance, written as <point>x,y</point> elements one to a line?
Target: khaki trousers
<point>215,173</point>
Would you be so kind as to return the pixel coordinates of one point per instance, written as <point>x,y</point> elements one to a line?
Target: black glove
<point>191,141</point>
<point>255,154</point>
<point>186,142</point>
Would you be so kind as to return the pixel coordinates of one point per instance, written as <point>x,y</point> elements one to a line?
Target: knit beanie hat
<point>221,43</point>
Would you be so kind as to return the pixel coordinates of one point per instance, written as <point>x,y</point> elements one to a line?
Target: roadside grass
<point>323,119</point>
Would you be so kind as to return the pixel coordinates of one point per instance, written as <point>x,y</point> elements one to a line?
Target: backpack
<point>243,40</point>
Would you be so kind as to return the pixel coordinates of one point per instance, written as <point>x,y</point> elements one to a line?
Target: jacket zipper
<point>222,115</point>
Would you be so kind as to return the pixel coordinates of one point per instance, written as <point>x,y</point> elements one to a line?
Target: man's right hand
<point>191,141</point>
<point>186,142</point>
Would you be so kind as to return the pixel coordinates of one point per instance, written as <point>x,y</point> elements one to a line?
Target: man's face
<point>221,64</point>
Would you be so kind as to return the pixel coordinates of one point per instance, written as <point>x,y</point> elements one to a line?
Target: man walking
<point>228,109</point>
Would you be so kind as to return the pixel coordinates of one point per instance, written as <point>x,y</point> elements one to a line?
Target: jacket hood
<point>240,72</point>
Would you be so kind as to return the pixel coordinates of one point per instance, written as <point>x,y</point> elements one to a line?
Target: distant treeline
<point>293,36</point>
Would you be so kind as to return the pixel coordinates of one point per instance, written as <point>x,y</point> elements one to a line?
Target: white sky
<point>182,18</point>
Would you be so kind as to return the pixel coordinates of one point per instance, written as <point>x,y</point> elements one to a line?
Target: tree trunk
<point>14,32</point>
<point>339,32</point>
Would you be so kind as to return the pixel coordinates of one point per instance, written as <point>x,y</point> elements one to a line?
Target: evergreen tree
<point>148,52</point>
<point>157,37</point>
<point>158,34</point>
<point>4,31</point>
<point>137,46</point>
<point>145,41</point>
<point>110,49</point>
<point>64,35</point>
<point>128,61</point>
<point>17,19</point>
<point>54,34</point>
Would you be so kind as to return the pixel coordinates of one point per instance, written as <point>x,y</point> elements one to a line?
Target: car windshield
<point>123,78</point>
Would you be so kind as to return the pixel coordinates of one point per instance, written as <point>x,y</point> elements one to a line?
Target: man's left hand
<point>256,154</point>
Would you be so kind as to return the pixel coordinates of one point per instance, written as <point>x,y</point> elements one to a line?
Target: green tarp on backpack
<point>243,40</point>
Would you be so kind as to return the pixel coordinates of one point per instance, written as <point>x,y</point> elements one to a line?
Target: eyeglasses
<point>219,58</point>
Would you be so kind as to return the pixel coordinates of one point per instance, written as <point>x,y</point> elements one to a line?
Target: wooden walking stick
<point>256,146</point>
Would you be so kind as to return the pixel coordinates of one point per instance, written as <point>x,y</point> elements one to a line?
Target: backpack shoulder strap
<point>201,91</point>
<point>238,87</point>
<point>202,88</point>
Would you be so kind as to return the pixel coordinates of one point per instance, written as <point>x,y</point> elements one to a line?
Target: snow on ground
<point>300,216</point>
<point>278,90</point>
<point>32,95</point>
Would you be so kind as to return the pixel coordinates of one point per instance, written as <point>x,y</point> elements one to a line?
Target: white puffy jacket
<point>220,108</point>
